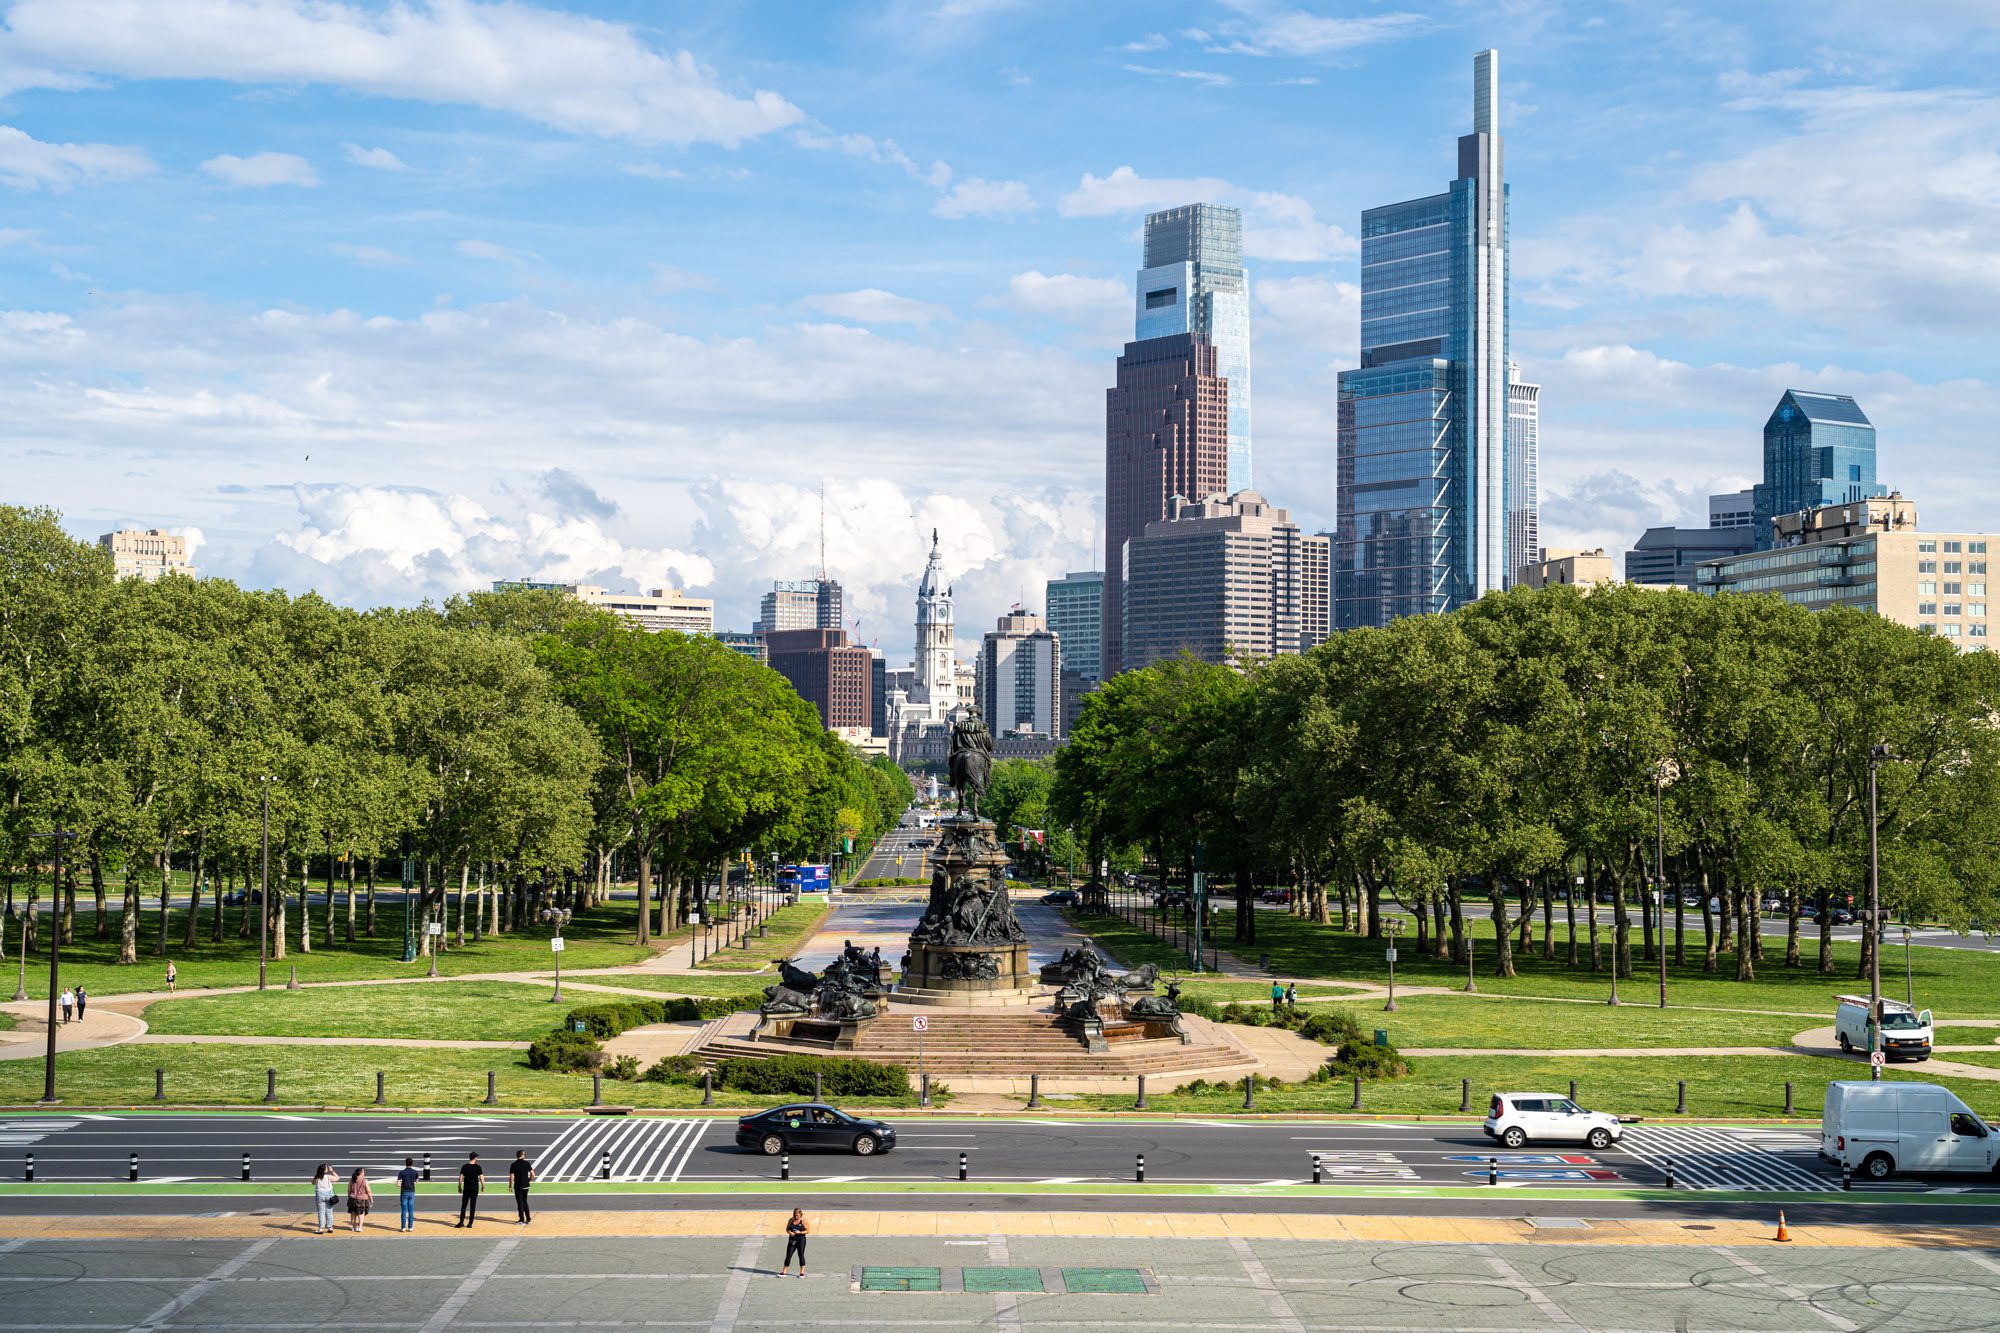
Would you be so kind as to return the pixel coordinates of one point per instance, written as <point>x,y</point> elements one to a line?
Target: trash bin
<point>1381,1036</point>
<point>578,1025</point>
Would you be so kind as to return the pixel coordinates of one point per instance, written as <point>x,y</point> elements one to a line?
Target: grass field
<point>1954,1036</point>
<point>1510,1024</point>
<point>443,1010</point>
<point>788,928</point>
<point>676,983</point>
<point>1717,1086</point>
<point>332,1076</point>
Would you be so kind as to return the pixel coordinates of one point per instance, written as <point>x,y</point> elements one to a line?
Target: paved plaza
<point>727,1283</point>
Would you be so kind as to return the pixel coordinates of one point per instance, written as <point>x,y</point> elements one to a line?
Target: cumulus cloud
<point>973,197</point>
<point>868,148</point>
<point>1268,30</point>
<point>571,494</point>
<point>1280,227</point>
<point>1317,317</point>
<point>261,170</point>
<point>574,73</point>
<point>370,256</point>
<point>872,305</point>
<point>473,248</point>
<point>1100,306</point>
<point>381,159</point>
<point>28,163</point>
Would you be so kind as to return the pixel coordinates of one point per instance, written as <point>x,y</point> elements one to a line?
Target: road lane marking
<point>469,1288</point>
<point>201,1288</point>
<point>1511,1277</point>
<point>1260,1279</point>
<point>738,1286</point>
<point>1786,1289</point>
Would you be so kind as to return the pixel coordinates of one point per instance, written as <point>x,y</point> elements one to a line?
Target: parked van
<point>1906,1033</point>
<point>1882,1128</point>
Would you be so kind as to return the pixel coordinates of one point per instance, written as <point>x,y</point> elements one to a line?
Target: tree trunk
<point>1793,957</point>
<point>1440,943</point>
<point>1746,934</point>
<point>243,914</point>
<point>332,899</point>
<point>67,903</point>
<point>1621,929</point>
<point>464,880</point>
<point>1458,940</point>
<point>276,893</point>
<point>1707,923</point>
<point>221,892</point>
<point>493,906</point>
<point>1548,921</point>
<point>645,894</point>
<point>101,919</point>
<point>350,898</point>
<point>1646,920</point>
<point>194,897</point>
<point>1590,910</point>
<point>1680,929</point>
<point>1503,932</point>
<point>128,923</point>
<point>368,919</point>
<point>166,900</point>
<point>1569,911</point>
<point>1246,911</point>
<point>1825,933</point>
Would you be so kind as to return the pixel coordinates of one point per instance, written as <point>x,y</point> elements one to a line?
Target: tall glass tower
<point>1194,282</point>
<point>1819,449</point>
<point>1424,450</point>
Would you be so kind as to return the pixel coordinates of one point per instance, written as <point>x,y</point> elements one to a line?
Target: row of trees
<point>521,743</point>
<point>1500,757</point>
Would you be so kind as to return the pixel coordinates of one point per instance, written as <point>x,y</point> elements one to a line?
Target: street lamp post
<point>264,889</point>
<point>409,883</point>
<point>1200,904</point>
<point>58,838</point>
<point>1877,756</point>
<point>556,918</point>
<point>1395,924</point>
<point>1664,774</point>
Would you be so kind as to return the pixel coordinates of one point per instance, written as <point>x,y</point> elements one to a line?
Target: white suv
<point>1516,1118</point>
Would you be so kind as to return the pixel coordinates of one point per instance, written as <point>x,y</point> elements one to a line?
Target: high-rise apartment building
<point>1424,420</point>
<point>1226,580</point>
<point>831,674</point>
<point>1315,589</point>
<point>800,604</point>
<point>660,609</point>
<point>1819,449</point>
<point>1018,676</point>
<point>878,695</point>
<point>1524,449</point>
<point>1166,434</point>
<point>1076,614</point>
<point>147,554</point>
<point>1194,282</point>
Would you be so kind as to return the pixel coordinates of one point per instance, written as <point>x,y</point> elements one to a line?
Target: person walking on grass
<point>1292,996</point>
<point>471,1183</point>
<point>82,999</point>
<point>520,1174</point>
<point>68,1002</point>
<point>795,1241</point>
<point>1277,996</point>
<point>324,1185</point>
<point>360,1197</point>
<point>406,1195</point>
<point>171,975</point>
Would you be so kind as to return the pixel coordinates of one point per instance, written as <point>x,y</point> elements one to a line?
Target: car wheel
<point>864,1145</point>
<point>1846,1046</point>
<point>1599,1139</point>
<point>773,1144</point>
<point>1514,1137</point>
<point>1878,1166</point>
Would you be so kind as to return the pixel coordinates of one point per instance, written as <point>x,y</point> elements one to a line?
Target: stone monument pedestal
<point>951,974</point>
<point>968,950</point>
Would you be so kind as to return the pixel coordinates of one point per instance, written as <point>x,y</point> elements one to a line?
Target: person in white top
<point>68,1003</point>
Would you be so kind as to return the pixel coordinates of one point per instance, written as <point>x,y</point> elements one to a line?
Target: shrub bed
<point>792,1076</point>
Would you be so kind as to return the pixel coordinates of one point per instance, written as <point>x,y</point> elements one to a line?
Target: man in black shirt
<point>519,1173</point>
<point>471,1181</point>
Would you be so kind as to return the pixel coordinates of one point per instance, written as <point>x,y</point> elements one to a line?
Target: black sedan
<point>1062,898</point>
<point>813,1125</point>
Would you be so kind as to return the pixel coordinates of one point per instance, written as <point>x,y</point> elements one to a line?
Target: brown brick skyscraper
<point>1166,432</point>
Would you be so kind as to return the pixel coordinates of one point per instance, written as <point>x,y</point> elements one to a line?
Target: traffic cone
<point>1784,1233</point>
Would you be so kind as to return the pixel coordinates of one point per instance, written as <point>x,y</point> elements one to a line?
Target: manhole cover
<point>1003,1279</point>
<point>1696,1226</point>
<point>899,1279</point>
<point>1111,1281</point>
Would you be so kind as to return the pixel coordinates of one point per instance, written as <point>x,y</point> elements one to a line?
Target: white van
<point>1881,1128</point>
<point>1906,1033</point>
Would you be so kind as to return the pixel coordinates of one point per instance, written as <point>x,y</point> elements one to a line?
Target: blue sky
<point>391,300</point>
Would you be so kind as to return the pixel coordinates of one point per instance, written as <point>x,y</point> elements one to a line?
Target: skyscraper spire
<point>822,529</point>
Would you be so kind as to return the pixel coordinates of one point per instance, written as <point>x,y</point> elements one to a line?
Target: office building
<point>1737,509</point>
<point>1194,282</point>
<point>1666,557</point>
<point>800,604</point>
<point>146,554</point>
<point>1076,614</point>
<point>1425,419</point>
<point>1819,450</point>
<point>831,674</point>
<point>1166,434</point>
<point>1575,569</point>
<point>1869,553</point>
<point>660,609</point>
<point>1017,677</point>
<point>737,641</point>
<point>1524,449</point>
<point>1315,589</point>
<point>1224,579</point>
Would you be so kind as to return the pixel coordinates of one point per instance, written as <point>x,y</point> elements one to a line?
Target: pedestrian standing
<point>82,1000</point>
<point>1277,996</point>
<point>471,1182</point>
<point>1292,996</point>
<point>360,1197</point>
<point>520,1174</point>
<point>171,975</point>
<point>406,1195</point>
<point>68,1002</point>
<point>324,1183</point>
<point>795,1241</point>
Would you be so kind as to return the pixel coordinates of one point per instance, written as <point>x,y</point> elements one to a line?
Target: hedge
<point>792,1076</point>
<point>605,1021</point>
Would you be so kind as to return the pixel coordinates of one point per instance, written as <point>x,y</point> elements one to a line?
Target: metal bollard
<point>1493,1171</point>
<point>923,1089</point>
<point>784,1166</point>
<point>380,1094</point>
<point>293,984</point>
<point>816,1092</point>
<point>427,1166</point>
<point>961,1166</point>
<point>1249,1091</point>
<point>597,1089</point>
<point>492,1099</point>
<point>1464,1095</point>
<point>1141,1176</point>
<point>246,1166</point>
<point>1315,1168</point>
<point>1846,1175</point>
<point>708,1087</point>
<point>604,1167</point>
<point>1670,1172</point>
<point>1788,1097</point>
<point>1140,1105</point>
<point>270,1085</point>
<point>132,1169</point>
<point>29,1173</point>
<point>1357,1092</point>
<point>1034,1092</point>
<point>1681,1107</point>
<point>1572,1089</point>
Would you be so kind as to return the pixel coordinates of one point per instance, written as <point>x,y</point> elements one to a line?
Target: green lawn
<point>446,1010</point>
<point>334,1076</point>
<point>1509,1024</point>
<point>1129,944</point>
<point>785,932</point>
<point>1718,1086</point>
<point>674,983</point>
<point>602,938</point>
<point>1955,983</point>
<point>1956,1036</point>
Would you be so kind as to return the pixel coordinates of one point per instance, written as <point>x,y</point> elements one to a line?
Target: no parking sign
<point>919,1023</point>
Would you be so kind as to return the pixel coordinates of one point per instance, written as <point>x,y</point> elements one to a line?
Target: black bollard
<point>784,1166</point>
<point>1670,1173</point>
<point>923,1089</point>
<point>1846,1175</point>
<point>246,1166</point>
<point>380,1095</point>
<point>708,1087</point>
<point>1034,1092</point>
<point>132,1170</point>
<point>1464,1095</point>
<point>1788,1097</point>
<point>1492,1171</point>
<point>1141,1176</point>
<point>159,1085</point>
<point>293,984</point>
<point>961,1166</point>
<point>1249,1091</point>
<point>29,1173</point>
<point>597,1089</point>
<point>492,1099</point>
<point>1140,1105</point>
<point>816,1092</point>
<point>1357,1092</point>
<point>1681,1107</point>
<point>1315,1168</point>
<point>270,1085</point>
<point>604,1167</point>
<point>427,1166</point>
<point>1572,1089</point>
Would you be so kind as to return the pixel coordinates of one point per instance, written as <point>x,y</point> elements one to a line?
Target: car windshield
<point>1563,1105</point>
<point>1900,1021</point>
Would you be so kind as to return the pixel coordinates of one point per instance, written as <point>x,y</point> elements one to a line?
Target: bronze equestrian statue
<point>971,762</point>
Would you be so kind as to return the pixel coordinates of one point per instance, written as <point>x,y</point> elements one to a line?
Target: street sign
<point>918,1023</point>
<point>1875,1058</point>
<point>556,945</point>
<point>1390,954</point>
<point>435,928</point>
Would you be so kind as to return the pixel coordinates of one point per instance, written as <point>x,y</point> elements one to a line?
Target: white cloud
<point>261,170</point>
<point>1152,41</point>
<point>28,163</point>
<point>1281,227</point>
<point>574,73</point>
<point>872,305</point>
<point>381,159</point>
<point>667,278</point>
<point>473,248</point>
<point>884,151</point>
<point>1100,306</point>
<point>370,256</point>
<point>1126,191</point>
<point>1317,318</point>
<point>1267,31</point>
<point>973,197</point>
<point>1206,78</point>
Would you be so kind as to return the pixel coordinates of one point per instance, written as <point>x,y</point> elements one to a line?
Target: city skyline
<point>392,332</point>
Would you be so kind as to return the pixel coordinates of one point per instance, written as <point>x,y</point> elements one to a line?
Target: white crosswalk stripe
<point>1727,1159</point>
<point>14,1133</point>
<point>648,1148</point>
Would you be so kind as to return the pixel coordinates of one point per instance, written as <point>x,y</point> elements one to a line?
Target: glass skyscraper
<point>1194,282</point>
<point>1819,449</point>
<point>1429,517</point>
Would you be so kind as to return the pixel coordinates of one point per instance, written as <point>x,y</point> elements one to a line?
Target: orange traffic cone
<point>1784,1233</point>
